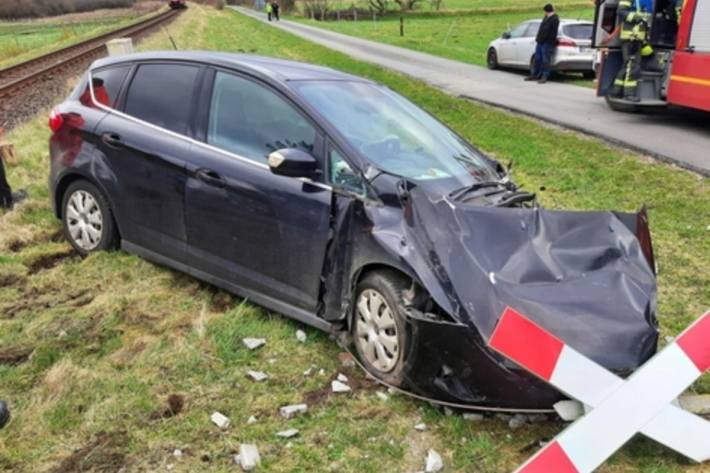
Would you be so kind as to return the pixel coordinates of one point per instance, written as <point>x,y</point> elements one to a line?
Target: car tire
<point>87,219</point>
<point>492,59</point>
<point>379,295</point>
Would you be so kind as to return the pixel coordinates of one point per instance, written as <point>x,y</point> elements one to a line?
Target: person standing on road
<point>275,7</point>
<point>633,18</point>
<point>269,10</point>
<point>8,198</point>
<point>546,43</point>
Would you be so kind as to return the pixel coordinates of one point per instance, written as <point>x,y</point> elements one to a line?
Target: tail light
<point>566,42</point>
<point>55,120</point>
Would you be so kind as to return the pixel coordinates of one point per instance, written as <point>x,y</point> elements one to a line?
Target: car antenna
<point>171,38</point>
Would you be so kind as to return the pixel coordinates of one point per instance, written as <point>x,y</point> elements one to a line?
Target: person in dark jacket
<point>546,43</point>
<point>275,6</point>
<point>8,198</point>
<point>4,414</point>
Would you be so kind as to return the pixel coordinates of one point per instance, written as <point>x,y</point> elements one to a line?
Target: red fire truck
<point>678,72</point>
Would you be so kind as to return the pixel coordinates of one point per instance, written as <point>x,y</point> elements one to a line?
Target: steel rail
<point>71,55</point>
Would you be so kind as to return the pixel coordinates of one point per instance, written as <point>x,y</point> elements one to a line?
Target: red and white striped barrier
<point>620,408</point>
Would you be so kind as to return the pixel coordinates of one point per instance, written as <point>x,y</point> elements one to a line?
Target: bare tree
<point>316,8</point>
<point>379,6</point>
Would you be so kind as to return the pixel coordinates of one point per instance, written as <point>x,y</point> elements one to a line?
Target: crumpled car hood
<point>581,275</point>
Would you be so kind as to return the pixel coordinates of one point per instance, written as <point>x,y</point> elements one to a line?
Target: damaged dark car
<point>339,203</point>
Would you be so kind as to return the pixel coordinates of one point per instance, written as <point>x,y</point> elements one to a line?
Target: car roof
<point>565,22</point>
<point>280,70</point>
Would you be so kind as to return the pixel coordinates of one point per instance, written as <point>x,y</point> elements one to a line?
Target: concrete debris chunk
<point>308,372</point>
<point>473,417</point>
<point>248,457</point>
<point>346,359</point>
<point>339,387</point>
<point>254,343</point>
<point>421,427</point>
<point>569,410</point>
<point>517,421</point>
<point>382,395</point>
<point>698,404</point>
<point>257,376</point>
<point>220,420</point>
<point>287,434</point>
<point>434,463</point>
<point>301,336</point>
<point>287,412</point>
<point>321,372</point>
<point>342,378</point>
<point>177,453</point>
<point>252,420</point>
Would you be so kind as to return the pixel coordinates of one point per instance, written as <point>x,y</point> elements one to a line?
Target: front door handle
<point>210,177</point>
<point>112,140</point>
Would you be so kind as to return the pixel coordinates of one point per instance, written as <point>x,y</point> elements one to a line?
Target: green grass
<point>463,38</point>
<point>21,41</point>
<point>114,336</point>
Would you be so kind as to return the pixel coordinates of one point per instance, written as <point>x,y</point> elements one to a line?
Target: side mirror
<point>292,162</point>
<point>506,35</point>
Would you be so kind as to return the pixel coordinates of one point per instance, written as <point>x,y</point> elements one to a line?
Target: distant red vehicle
<point>178,4</point>
<point>678,73</point>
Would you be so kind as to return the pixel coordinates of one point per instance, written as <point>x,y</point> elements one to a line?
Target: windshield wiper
<point>459,193</point>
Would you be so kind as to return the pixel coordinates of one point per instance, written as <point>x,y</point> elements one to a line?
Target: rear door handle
<point>112,140</point>
<point>210,177</point>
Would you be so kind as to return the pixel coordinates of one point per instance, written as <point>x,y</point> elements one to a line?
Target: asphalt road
<point>678,136</point>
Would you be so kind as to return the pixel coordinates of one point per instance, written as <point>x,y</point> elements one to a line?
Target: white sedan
<point>574,53</point>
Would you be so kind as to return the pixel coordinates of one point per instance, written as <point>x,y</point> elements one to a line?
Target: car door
<point>147,151</point>
<point>509,46</point>
<point>526,45</point>
<point>265,233</point>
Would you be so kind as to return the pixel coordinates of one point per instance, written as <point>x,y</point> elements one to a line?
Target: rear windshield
<point>582,31</point>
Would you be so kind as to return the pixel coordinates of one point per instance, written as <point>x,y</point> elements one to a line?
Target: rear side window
<point>107,85</point>
<point>161,94</point>
<point>252,121</point>
<point>578,31</point>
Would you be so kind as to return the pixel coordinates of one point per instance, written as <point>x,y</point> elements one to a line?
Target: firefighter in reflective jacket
<point>634,35</point>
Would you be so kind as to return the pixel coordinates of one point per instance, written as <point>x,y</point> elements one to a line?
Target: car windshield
<point>579,31</point>
<point>393,134</point>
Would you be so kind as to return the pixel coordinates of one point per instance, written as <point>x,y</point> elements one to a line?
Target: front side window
<point>342,174</point>
<point>393,134</point>
<point>519,31</point>
<point>252,121</point>
<point>107,85</point>
<point>161,94</point>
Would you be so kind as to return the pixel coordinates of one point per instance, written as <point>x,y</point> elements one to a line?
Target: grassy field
<point>463,37</point>
<point>94,351</point>
<point>23,40</point>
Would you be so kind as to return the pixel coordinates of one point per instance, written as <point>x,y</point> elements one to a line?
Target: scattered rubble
<point>288,412</point>
<point>473,417</point>
<point>220,420</point>
<point>421,427</point>
<point>257,376</point>
<point>699,404</point>
<point>346,359</point>
<point>287,434</point>
<point>569,410</point>
<point>177,453</point>
<point>248,457</point>
<point>309,371</point>
<point>252,420</point>
<point>339,387</point>
<point>434,463</point>
<point>254,343</point>
<point>382,395</point>
<point>321,372</point>
<point>517,421</point>
<point>342,378</point>
<point>301,336</point>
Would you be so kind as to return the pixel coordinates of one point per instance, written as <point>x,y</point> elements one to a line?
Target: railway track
<point>28,87</point>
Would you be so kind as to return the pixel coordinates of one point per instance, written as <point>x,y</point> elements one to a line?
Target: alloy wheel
<point>84,220</point>
<point>376,330</point>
